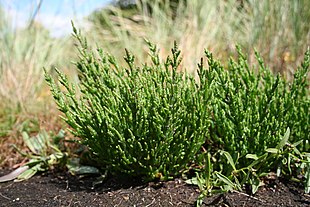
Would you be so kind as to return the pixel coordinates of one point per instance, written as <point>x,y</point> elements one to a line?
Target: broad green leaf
<point>35,144</point>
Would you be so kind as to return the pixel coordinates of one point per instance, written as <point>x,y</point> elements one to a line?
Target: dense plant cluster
<point>260,124</point>
<point>252,108</point>
<point>237,123</point>
<point>145,121</point>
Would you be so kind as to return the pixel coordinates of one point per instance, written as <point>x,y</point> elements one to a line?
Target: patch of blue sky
<point>55,15</point>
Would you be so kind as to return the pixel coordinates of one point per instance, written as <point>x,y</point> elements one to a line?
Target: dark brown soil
<point>61,189</point>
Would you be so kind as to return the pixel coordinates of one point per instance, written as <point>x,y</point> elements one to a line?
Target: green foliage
<point>44,153</point>
<point>283,158</point>
<point>147,121</point>
<point>221,173</point>
<point>252,108</point>
<point>152,121</point>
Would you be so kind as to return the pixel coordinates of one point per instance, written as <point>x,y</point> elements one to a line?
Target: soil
<point>62,189</point>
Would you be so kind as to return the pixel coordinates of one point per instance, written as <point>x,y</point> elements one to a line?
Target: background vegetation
<point>277,29</point>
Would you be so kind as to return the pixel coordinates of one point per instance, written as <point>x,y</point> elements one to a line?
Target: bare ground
<point>62,189</point>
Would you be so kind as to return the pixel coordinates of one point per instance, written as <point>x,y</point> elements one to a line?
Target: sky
<point>56,15</point>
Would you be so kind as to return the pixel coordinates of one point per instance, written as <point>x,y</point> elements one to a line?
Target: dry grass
<point>278,29</point>
<point>24,53</point>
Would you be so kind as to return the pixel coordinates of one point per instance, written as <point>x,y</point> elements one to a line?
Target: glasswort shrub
<point>252,107</point>
<point>147,121</point>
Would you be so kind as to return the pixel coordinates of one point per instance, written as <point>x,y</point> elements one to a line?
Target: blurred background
<point>37,33</point>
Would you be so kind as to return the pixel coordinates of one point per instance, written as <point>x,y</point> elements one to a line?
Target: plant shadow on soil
<point>62,189</point>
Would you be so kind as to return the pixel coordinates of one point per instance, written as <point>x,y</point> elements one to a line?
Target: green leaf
<point>75,168</point>
<point>192,181</point>
<point>37,144</point>
<point>30,144</point>
<point>29,173</point>
<point>225,179</point>
<point>230,160</point>
<point>255,184</point>
<point>297,143</point>
<point>209,170</point>
<point>260,159</point>
<point>284,139</point>
<point>200,199</point>
<point>14,174</point>
<point>307,176</point>
<point>272,150</point>
<point>84,169</point>
<point>251,156</point>
<point>307,155</point>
